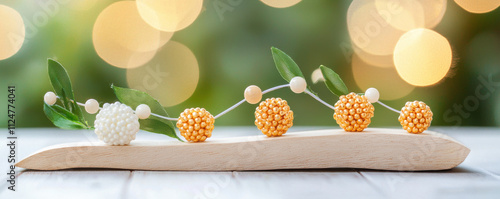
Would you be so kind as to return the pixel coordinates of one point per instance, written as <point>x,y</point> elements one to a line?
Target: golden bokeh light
<point>422,57</point>
<point>123,39</point>
<point>82,5</point>
<point>169,15</point>
<point>130,30</point>
<point>433,11</point>
<point>406,14</point>
<point>171,77</point>
<point>410,14</point>
<point>369,30</point>
<point>12,32</point>
<point>384,61</point>
<point>280,3</point>
<point>386,80</point>
<point>121,57</point>
<point>478,6</point>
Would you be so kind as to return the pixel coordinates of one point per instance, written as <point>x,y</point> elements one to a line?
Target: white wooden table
<point>477,177</point>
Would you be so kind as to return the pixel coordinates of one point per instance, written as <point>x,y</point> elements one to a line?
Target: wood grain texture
<point>383,149</point>
<point>460,182</point>
<point>80,184</point>
<point>251,184</point>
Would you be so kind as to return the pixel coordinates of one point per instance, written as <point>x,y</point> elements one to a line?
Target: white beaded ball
<point>50,98</point>
<point>372,95</point>
<point>91,106</point>
<point>298,84</point>
<point>116,124</point>
<point>143,111</point>
<point>253,94</point>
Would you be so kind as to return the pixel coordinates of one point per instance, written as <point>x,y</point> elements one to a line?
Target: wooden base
<point>384,149</point>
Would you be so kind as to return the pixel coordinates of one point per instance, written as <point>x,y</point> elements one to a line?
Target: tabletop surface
<point>477,177</point>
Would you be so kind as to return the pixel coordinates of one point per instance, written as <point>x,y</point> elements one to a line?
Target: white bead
<point>91,106</point>
<point>253,94</point>
<point>143,111</point>
<point>317,76</point>
<point>298,84</point>
<point>50,98</point>
<point>372,95</point>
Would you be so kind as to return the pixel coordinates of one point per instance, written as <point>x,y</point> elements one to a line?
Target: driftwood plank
<point>384,149</point>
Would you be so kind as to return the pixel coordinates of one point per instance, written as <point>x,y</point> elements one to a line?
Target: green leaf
<point>287,68</point>
<point>156,126</point>
<point>333,81</point>
<point>61,83</point>
<point>62,118</point>
<point>134,98</point>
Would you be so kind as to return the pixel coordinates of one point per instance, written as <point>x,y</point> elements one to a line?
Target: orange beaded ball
<point>273,117</point>
<point>196,124</point>
<point>353,112</point>
<point>415,117</point>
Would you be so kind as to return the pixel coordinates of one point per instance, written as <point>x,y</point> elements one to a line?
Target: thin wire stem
<point>218,115</point>
<point>319,100</point>
<point>243,100</point>
<point>388,107</point>
<point>163,117</point>
<point>275,88</point>
<point>81,104</point>
<point>230,108</point>
<point>154,114</point>
<point>263,92</point>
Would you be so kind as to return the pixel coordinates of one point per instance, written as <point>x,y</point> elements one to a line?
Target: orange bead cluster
<point>273,117</point>
<point>415,117</point>
<point>353,112</point>
<point>196,124</point>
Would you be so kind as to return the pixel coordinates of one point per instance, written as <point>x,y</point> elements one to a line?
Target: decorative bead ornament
<point>116,124</point>
<point>372,95</point>
<point>353,112</point>
<point>50,98</point>
<point>253,94</point>
<point>298,84</point>
<point>143,111</point>
<point>91,106</point>
<point>415,117</point>
<point>273,117</point>
<point>195,124</point>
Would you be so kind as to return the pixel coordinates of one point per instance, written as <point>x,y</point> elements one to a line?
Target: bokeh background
<point>209,62</point>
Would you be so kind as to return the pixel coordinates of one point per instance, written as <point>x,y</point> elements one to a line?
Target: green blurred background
<point>233,51</point>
